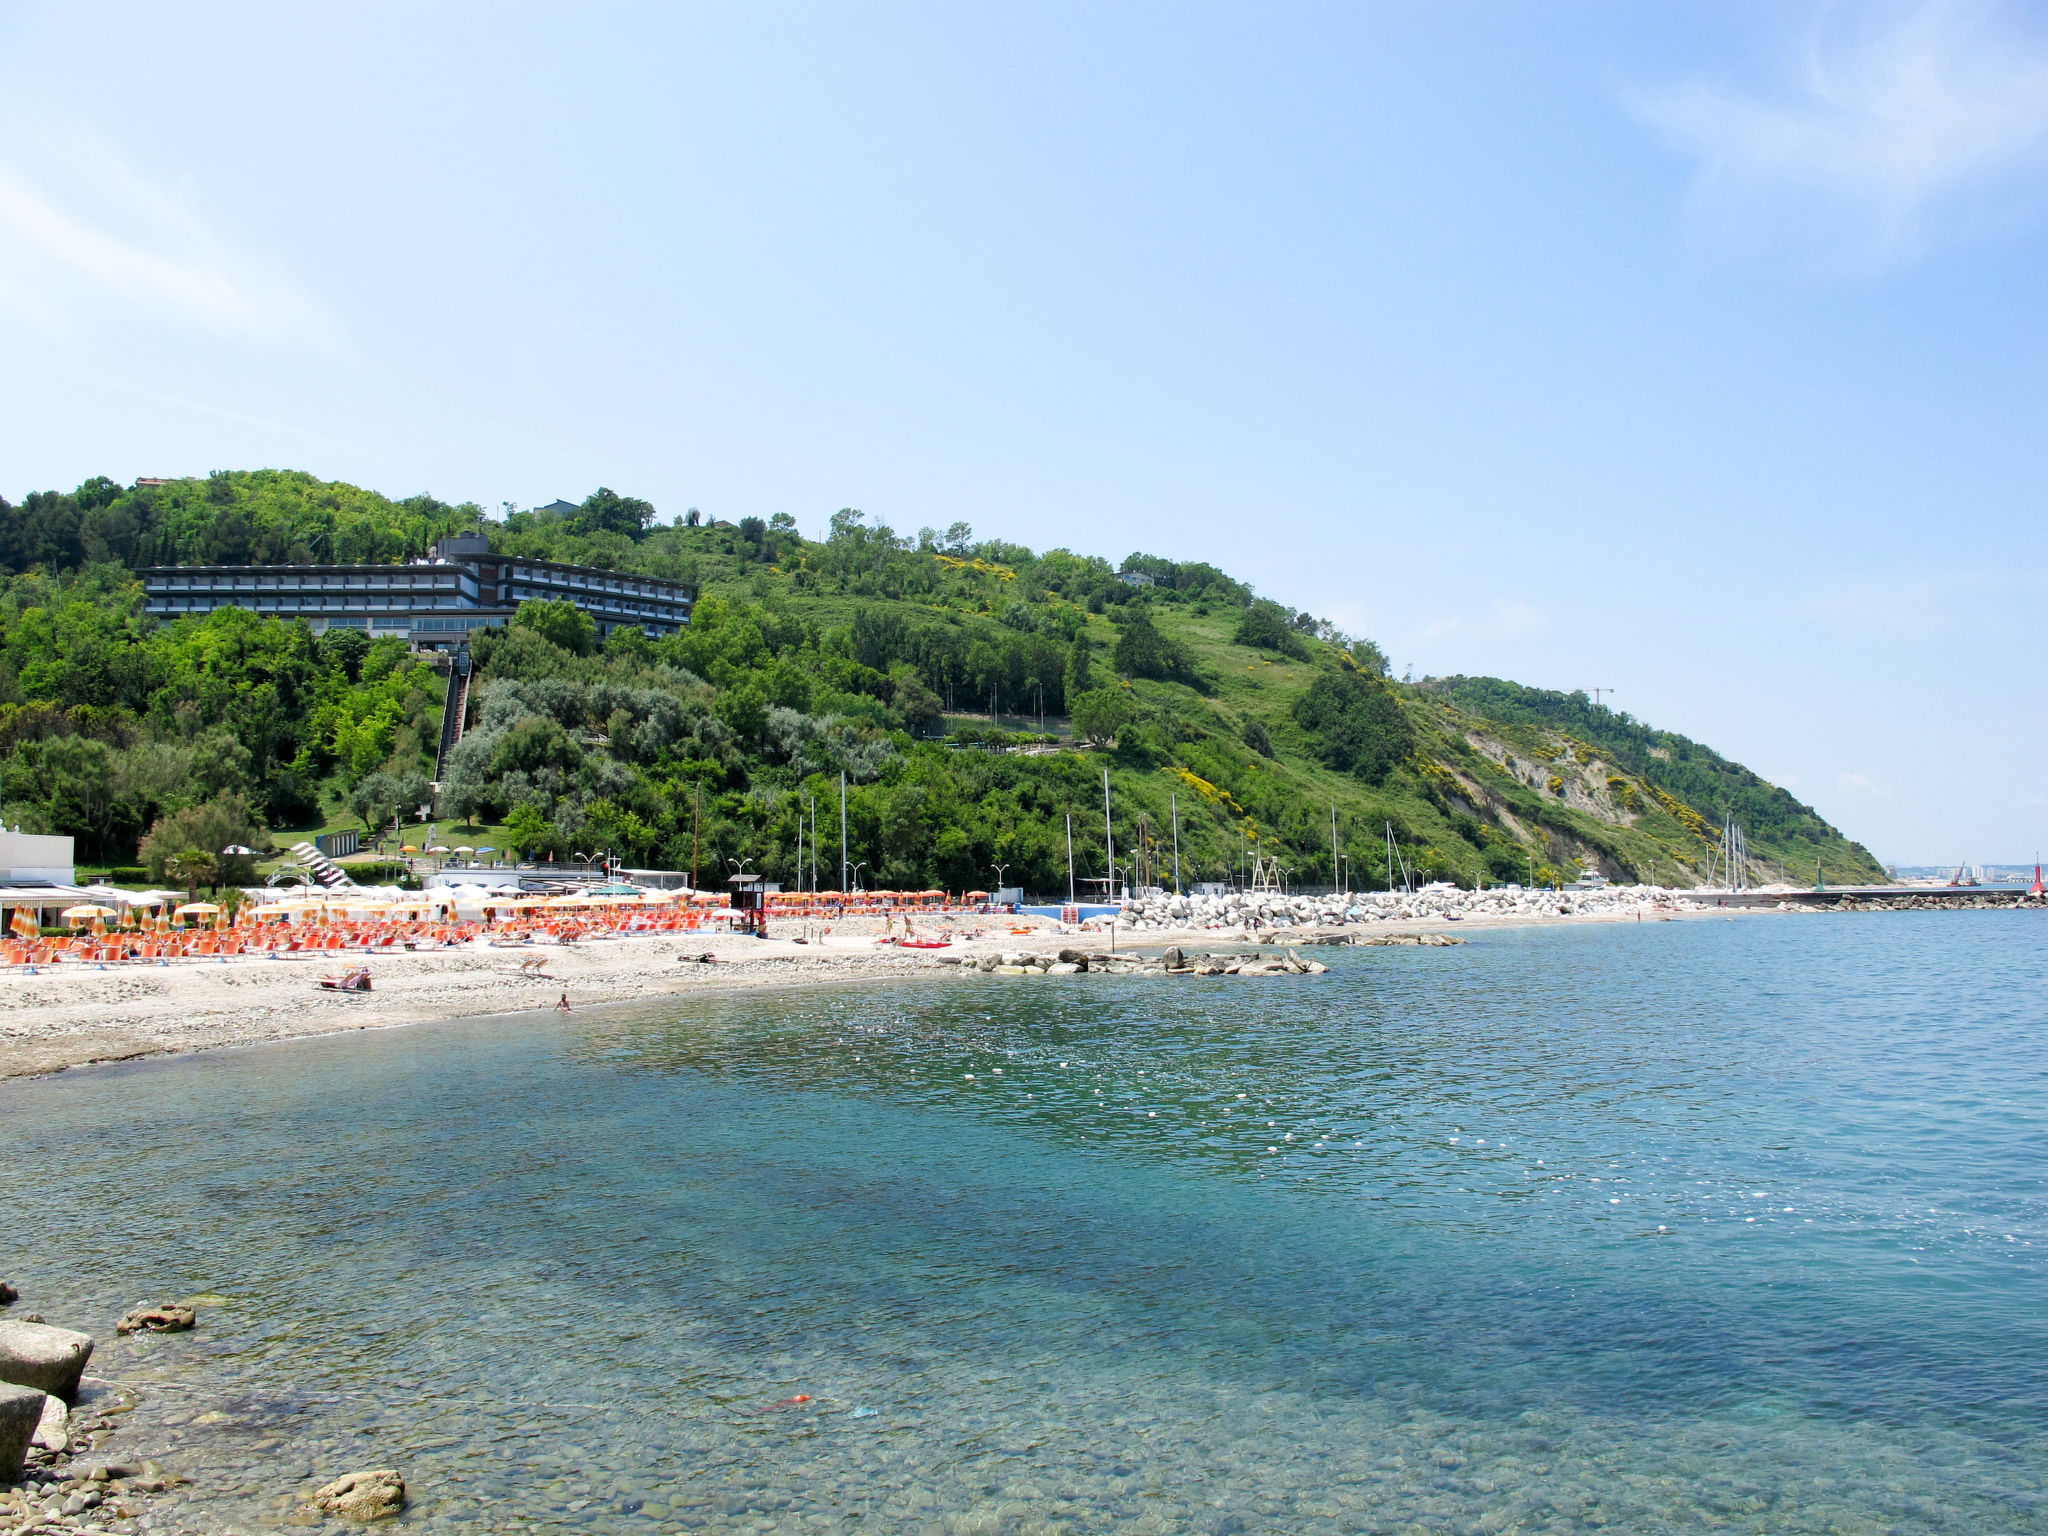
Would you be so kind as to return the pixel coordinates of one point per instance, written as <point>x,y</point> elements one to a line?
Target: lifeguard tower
<point>750,895</point>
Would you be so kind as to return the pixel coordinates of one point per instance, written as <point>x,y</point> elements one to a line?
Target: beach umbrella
<point>23,922</point>
<point>407,848</point>
<point>236,850</point>
<point>487,848</point>
<point>198,909</point>
<point>463,848</point>
<point>439,848</point>
<point>87,913</point>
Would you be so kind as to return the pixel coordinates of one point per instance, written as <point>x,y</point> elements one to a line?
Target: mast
<point>1174,801</point>
<point>1108,836</point>
<point>1070,858</point>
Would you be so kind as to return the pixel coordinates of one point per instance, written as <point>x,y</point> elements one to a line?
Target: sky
<point>1688,350</point>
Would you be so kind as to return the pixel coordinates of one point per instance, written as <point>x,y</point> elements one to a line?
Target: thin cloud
<point>117,241</point>
<point>1885,119</point>
<point>1864,785</point>
<point>1501,621</point>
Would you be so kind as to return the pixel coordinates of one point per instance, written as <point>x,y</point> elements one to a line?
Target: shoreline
<point>75,1016</point>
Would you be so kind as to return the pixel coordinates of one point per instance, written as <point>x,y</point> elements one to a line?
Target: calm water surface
<point>1661,1228</point>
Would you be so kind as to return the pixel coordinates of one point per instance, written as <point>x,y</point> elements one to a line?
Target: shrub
<point>1357,723</point>
<point>1265,626</point>
<point>560,623</point>
<point>1141,651</point>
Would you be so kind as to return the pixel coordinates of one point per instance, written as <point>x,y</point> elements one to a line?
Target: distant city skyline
<point>1690,352</point>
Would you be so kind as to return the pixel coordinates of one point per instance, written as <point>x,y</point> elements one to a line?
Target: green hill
<point>972,691</point>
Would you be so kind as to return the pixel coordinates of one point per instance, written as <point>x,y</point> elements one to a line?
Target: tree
<point>192,866</point>
<point>343,650</point>
<point>1142,651</point>
<point>916,706</point>
<point>1080,676</point>
<point>1265,626</point>
<point>383,797</point>
<point>606,511</point>
<point>527,831</point>
<point>1358,725</point>
<point>190,844</point>
<point>1101,714</point>
<point>559,622</point>
<point>1370,658</point>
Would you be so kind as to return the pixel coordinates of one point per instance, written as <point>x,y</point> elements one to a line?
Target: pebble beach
<point>69,1015</point>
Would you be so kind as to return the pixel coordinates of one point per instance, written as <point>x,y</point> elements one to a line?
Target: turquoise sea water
<point>1659,1227</point>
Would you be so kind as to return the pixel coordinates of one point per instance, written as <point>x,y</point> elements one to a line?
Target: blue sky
<point>1688,350</point>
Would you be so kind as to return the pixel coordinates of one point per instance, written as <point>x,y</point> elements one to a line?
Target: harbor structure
<point>433,603</point>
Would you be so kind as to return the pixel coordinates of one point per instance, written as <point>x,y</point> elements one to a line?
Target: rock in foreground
<point>45,1358</point>
<point>21,1410</point>
<point>363,1496</point>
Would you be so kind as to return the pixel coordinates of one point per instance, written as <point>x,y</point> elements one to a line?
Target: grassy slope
<point>1458,809</point>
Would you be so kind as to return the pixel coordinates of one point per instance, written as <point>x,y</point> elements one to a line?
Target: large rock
<point>53,1429</point>
<point>21,1410</point>
<point>48,1359</point>
<point>362,1496</point>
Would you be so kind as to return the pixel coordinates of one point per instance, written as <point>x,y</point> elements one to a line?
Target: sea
<point>1732,1225</point>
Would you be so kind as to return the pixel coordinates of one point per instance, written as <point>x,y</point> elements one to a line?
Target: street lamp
<point>856,874</point>
<point>1000,870</point>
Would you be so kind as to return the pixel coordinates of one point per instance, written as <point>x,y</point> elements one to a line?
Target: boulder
<point>376,1495</point>
<point>53,1429</point>
<point>165,1317</point>
<point>8,1294</point>
<point>21,1410</point>
<point>1063,968</point>
<point>48,1359</point>
<point>1075,958</point>
<point>1173,958</point>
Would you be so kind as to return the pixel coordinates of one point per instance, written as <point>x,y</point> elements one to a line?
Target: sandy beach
<point>71,1015</point>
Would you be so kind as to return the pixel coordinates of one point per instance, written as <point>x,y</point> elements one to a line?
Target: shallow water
<point>1658,1227</point>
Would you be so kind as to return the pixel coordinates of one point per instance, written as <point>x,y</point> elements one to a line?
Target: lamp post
<point>857,868</point>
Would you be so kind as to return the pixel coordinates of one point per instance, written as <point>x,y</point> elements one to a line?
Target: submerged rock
<point>21,1410</point>
<point>46,1358</point>
<point>378,1495</point>
<point>166,1317</point>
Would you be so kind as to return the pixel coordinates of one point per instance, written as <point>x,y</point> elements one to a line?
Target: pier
<point>1928,896</point>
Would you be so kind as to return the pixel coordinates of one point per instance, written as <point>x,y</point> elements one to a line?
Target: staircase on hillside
<point>455,711</point>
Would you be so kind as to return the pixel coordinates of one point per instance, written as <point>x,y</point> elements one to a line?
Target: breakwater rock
<point>1255,911</point>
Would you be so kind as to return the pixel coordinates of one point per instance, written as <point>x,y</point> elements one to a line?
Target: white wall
<point>24,856</point>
